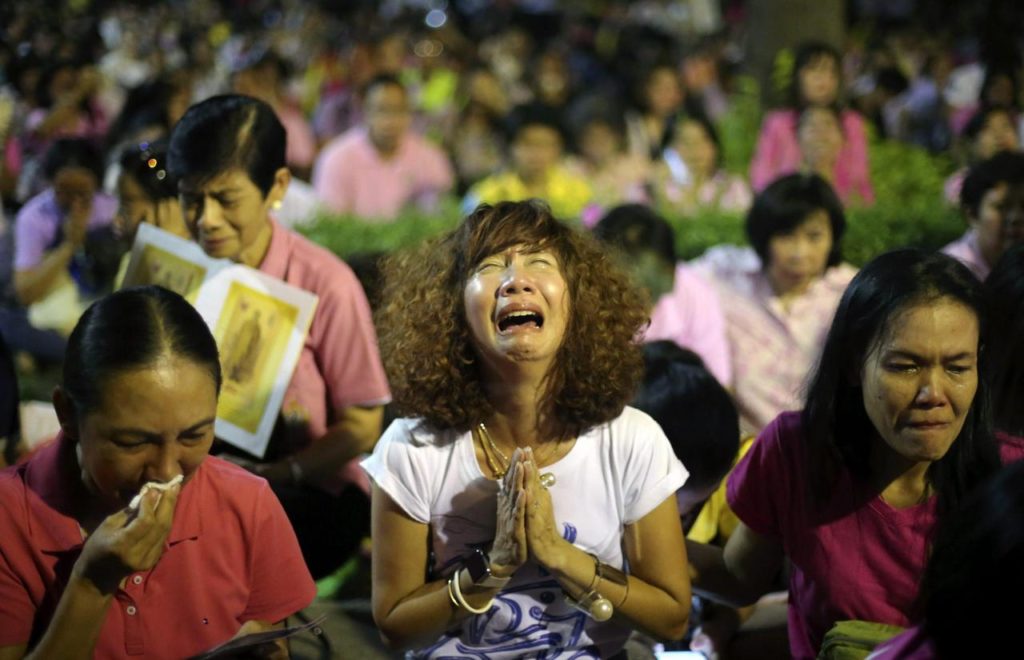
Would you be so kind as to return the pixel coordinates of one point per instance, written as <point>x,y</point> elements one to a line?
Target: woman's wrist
<point>476,594</point>
<point>501,570</point>
<point>282,473</point>
<point>93,584</point>
<point>68,249</point>
<point>554,554</point>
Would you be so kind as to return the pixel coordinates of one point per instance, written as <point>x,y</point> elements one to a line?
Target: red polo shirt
<point>231,557</point>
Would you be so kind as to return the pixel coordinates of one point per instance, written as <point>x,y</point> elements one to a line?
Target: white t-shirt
<point>613,476</point>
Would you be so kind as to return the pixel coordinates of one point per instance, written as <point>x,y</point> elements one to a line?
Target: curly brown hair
<point>425,338</point>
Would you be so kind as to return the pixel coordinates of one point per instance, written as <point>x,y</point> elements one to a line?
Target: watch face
<point>478,566</point>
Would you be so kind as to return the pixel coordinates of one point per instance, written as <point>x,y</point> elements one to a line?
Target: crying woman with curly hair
<point>520,505</point>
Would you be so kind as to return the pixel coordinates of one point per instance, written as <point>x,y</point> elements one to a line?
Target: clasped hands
<point>526,525</point>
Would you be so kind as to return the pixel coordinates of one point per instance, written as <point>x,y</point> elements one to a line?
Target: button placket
<point>133,639</point>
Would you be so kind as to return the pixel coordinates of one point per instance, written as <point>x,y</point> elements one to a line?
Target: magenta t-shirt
<point>853,556</point>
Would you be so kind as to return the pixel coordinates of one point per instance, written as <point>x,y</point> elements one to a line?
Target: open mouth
<point>522,319</point>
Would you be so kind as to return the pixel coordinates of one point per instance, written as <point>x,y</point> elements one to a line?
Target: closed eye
<point>124,443</point>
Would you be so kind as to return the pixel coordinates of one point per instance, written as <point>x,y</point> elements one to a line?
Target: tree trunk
<point>773,25</point>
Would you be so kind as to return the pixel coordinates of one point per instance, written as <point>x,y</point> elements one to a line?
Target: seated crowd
<point>561,438</point>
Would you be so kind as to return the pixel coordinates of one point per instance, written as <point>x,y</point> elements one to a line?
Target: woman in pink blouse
<point>778,296</point>
<point>690,178</point>
<point>815,82</point>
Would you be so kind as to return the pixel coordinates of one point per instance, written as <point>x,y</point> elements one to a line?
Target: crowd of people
<point>561,439</point>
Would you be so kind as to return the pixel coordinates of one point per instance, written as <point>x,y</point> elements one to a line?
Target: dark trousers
<point>44,345</point>
<point>329,528</point>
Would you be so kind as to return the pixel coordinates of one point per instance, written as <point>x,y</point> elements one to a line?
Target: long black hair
<point>695,411</point>
<point>131,329</point>
<point>835,424</point>
<point>976,568</point>
<point>1005,289</point>
<point>146,164</point>
<point>806,54</point>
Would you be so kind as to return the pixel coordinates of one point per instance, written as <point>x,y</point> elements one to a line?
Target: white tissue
<point>153,485</point>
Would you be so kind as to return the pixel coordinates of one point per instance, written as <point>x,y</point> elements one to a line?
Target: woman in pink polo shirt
<point>895,432</point>
<point>228,154</point>
<point>85,570</point>
<point>778,295</point>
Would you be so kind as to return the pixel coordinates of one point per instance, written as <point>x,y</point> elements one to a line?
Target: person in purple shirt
<point>50,236</point>
<point>895,433</point>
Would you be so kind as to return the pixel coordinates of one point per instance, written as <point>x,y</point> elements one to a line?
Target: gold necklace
<point>546,478</point>
<point>498,470</point>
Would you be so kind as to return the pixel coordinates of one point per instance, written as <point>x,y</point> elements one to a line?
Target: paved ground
<point>347,634</point>
<point>348,631</point>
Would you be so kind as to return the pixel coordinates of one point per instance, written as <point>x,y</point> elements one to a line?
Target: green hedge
<point>910,212</point>
<point>910,209</point>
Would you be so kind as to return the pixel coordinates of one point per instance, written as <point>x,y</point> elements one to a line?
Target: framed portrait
<point>260,324</point>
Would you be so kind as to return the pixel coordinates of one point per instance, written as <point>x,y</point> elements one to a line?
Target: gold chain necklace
<point>498,470</point>
<point>546,478</point>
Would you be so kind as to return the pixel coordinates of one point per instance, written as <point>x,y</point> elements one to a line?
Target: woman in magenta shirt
<point>895,432</point>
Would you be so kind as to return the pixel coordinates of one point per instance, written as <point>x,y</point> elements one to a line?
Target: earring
<point>276,205</point>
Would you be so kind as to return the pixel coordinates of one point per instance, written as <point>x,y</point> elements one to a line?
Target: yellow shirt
<point>566,194</point>
<point>715,517</point>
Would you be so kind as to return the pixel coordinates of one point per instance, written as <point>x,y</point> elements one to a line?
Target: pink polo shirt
<point>691,316</point>
<point>340,364</point>
<point>965,250</point>
<point>772,348</point>
<point>351,177</point>
<point>231,557</point>
<point>300,149</point>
